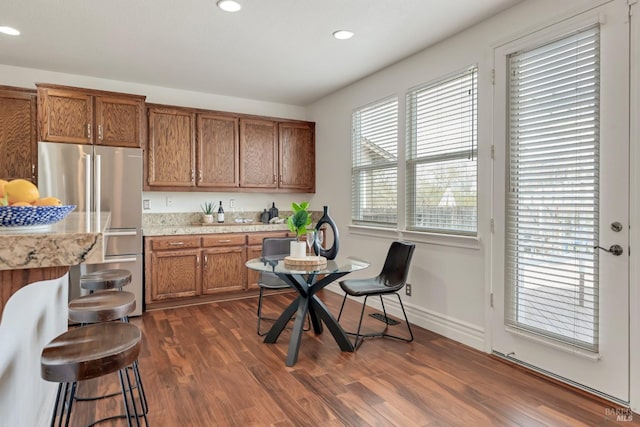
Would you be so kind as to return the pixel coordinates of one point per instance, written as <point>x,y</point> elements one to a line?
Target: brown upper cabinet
<point>171,160</point>
<point>18,149</point>
<point>258,153</point>
<point>217,151</point>
<point>85,116</point>
<point>227,151</point>
<point>297,157</point>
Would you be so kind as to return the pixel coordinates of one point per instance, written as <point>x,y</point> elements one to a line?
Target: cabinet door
<point>65,116</point>
<point>172,151</point>
<point>252,275</point>
<point>224,269</point>
<point>297,156</point>
<point>119,121</point>
<point>218,151</point>
<point>174,274</point>
<point>258,153</point>
<point>18,149</point>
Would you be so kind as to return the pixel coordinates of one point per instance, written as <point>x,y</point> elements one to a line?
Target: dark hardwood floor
<point>204,365</point>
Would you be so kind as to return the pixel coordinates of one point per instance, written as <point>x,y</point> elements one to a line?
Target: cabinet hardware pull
<point>33,171</point>
<point>176,243</point>
<point>89,130</point>
<point>224,241</point>
<point>100,132</point>
<point>200,175</point>
<point>193,175</point>
<point>206,260</point>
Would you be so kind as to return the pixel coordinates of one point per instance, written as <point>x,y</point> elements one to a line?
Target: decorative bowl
<point>20,216</point>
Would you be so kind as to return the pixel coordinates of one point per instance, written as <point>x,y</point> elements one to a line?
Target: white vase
<point>207,219</point>
<point>298,249</point>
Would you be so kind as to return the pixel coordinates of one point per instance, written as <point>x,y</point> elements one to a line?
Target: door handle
<point>614,249</point>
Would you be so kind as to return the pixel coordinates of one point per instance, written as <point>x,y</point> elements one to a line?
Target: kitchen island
<point>34,265</point>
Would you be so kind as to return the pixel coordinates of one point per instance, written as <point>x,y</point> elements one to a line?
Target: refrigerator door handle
<point>87,187</point>
<point>119,258</point>
<point>98,178</point>
<point>121,233</point>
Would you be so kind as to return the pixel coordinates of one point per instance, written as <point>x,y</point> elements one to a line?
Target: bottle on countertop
<point>273,212</point>
<point>264,217</point>
<point>220,213</point>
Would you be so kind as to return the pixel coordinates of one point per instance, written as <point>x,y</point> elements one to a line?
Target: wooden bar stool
<point>102,307</point>
<point>105,280</point>
<point>90,352</point>
<point>105,307</point>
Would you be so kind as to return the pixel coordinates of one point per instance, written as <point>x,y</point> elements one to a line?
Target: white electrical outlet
<point>145,204</point>
<point>232,203</point>
<point>169,201</point>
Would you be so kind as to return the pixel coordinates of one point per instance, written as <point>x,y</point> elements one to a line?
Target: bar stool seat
<point>102,307</point>
<point>90,352</point>
<point>105,279</point>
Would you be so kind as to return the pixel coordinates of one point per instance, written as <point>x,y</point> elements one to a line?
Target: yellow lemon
<point>2,184</point>
<point>47,201</point>
<point>21,190</point>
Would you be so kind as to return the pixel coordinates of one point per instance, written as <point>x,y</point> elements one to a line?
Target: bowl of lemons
<point>22,206</point>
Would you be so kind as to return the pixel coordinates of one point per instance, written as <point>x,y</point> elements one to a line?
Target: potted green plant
<point>207,211</point>
<point>298,223</point>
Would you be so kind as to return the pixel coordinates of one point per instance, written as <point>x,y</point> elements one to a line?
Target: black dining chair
<point>273,248</point>
<point>391,280</point>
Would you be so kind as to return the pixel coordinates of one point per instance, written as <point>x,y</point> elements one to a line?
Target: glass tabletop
<point>277,265</point>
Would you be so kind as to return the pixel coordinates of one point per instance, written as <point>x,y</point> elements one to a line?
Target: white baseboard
<point>446,326</point>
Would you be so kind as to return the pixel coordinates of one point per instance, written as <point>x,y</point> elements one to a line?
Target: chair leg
<point>360,337</point>
<point>260,318</point>
<point>405,319</point>
<point>342,306</point>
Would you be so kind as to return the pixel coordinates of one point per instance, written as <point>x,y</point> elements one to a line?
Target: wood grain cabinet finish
<point>217,151</point>
<point>296,156</point>
<point>191,269</point>
<point>174,274</point>
<point>171,157</point>
<point>258,153</point>
<point>85,116</point>
<point>18,146</point>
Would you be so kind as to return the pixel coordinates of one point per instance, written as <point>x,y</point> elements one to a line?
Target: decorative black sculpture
<point>332,252</point>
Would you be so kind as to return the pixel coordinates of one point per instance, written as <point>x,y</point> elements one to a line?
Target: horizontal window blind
<point>374,173</point>
<point>442,155</point>
<point>552,200</point>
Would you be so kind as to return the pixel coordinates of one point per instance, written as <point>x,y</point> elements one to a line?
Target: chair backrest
<point>275,247</point>
<point>396,266</point>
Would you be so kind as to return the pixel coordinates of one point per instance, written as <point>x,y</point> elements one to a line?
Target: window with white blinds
<point>552,198</point>
<point>374,173</point>
<point>442,155</point>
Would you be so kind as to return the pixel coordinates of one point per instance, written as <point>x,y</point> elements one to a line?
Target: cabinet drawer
<point>223,240</point>
<point>178,242</point>
<point>257,238</point>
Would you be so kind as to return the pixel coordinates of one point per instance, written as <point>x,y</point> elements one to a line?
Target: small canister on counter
<point>264,217</point>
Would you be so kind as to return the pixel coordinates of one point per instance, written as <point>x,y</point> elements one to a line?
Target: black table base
<point>307,301</point>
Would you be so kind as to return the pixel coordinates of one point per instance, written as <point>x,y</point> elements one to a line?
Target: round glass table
<point>307,281</point>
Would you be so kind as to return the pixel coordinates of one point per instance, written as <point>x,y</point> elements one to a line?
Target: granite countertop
<point>77,239</point>
<point>168,224</point>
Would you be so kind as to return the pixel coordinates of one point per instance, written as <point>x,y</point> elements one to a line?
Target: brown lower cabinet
<point>189,269</point>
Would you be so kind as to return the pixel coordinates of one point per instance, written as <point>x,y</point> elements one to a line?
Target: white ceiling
<point>272,50</point>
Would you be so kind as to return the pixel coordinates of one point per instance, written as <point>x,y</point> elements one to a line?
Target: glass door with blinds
<point>560,247</point>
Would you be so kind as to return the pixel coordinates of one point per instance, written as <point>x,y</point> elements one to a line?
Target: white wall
<point>450,284</point>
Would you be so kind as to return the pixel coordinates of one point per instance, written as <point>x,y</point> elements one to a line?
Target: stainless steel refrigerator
<point>100,179</point>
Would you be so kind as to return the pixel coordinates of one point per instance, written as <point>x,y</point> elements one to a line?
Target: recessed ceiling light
<point>229,5</point>
<point>10,31</point>
<point>343,34</point>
